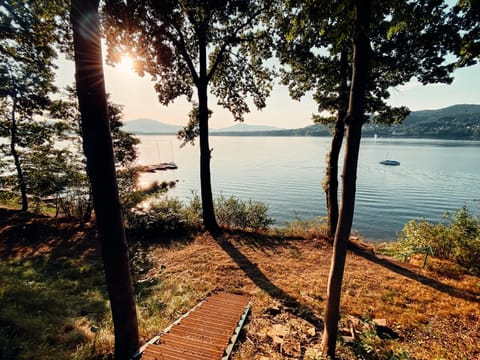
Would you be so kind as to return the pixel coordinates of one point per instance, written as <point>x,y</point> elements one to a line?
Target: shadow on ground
<point>250,269</point>
<point>411,274</point>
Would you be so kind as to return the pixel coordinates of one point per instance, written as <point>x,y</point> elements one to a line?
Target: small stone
<point>277,333</point>
<point>311,331</point>
<point>380,322</point>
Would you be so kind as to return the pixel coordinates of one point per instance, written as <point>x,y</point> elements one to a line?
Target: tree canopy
<point>466,16</point>
<point>190,46</point>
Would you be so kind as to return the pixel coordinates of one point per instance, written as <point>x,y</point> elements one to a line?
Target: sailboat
<point>171,165</point>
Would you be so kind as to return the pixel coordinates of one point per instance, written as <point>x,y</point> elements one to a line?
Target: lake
<point>287,174</point>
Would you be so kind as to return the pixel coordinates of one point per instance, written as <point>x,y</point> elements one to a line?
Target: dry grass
<point>435,316</point>
<point>435,312</point>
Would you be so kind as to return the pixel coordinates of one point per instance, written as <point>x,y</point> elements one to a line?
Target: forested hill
<point>461,122</point>
<point>454,122</point>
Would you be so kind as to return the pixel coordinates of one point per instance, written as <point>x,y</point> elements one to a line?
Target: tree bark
<point>16,158</point>
<point>336,145</point>
<point>354,122</point>
<point>209,219</point>
<point>97,144</point>
<point>332,174</point>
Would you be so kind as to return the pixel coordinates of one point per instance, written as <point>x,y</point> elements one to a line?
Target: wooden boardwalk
<point>207,332</point>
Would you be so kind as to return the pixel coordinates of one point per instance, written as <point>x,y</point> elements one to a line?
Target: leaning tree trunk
<point>331,190</point>
<point>209,220</point>
<point>16,158</point>
<point>97,144</point>
<point>354,121</point>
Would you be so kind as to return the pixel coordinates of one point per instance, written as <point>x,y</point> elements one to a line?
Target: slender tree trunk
<point>331,190</point>
<point>354,121</point>
<point>332,175</point>
<point>16,158</point>
<point>97,144</point>
<point>209,219</point>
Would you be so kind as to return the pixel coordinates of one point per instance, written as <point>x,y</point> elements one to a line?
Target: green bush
<point>164,214</point>
<point>304,228</point>
<point>235,213</point>
<point>456,238</point>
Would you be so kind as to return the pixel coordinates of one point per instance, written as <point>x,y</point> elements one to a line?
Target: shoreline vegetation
<point>53,302</point>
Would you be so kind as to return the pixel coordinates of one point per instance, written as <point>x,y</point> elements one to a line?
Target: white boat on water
<point>390,162</point>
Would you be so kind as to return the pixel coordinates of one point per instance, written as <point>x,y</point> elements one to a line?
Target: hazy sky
<point>140,101</point>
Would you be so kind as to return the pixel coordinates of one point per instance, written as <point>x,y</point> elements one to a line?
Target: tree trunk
<point>97,144</point>
<point>16,158</point>
<point>331,190</point>
<point>354,121</point>
<point>332,175</point>
<point>209,220</point>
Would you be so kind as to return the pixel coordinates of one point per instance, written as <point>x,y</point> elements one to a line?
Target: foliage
<point>26,79</point>
<point>371,344</point>
<point>456,238</point>
<point>74,197</point>
<point>164,215</point>
<point>192,130</point>
<point>322,64</point>
<point>124,143</point>
<point>466,16</point>
<point>235,213</point>
<point>166,40</point>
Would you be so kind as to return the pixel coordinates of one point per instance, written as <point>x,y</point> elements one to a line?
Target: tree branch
<point>181,46</point>
<point>229,41</point>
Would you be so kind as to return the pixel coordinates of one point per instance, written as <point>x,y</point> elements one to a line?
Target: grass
<point>53,303</point>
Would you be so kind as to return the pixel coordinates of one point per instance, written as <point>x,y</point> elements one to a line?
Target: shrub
<point>162,216</point>
<point>307,229</point>
<point>235,213</point>
<point>165,215</point>
<point>456,238</point>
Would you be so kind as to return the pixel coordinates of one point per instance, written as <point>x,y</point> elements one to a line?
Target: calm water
<point>287,172</point>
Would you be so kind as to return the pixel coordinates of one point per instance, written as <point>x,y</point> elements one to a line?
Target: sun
<point>126,64</point>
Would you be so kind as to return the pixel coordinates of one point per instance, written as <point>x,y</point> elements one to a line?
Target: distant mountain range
<point>242,127</point>
<point>150,126</point>
<point>454,122</point>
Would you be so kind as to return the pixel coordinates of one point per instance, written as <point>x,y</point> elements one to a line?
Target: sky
<point>138,97</point>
